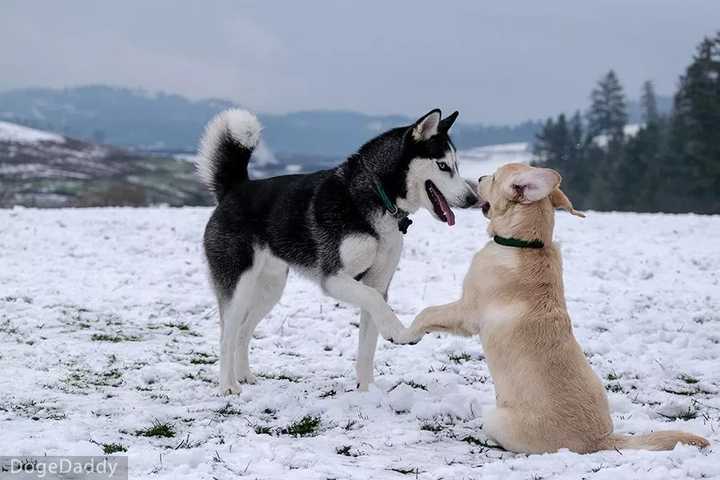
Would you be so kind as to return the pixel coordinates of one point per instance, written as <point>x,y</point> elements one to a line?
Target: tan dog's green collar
<point>516,242</point>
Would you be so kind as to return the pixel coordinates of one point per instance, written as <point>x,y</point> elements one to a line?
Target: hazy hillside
<point>47,170</point>
<point>136,118</point>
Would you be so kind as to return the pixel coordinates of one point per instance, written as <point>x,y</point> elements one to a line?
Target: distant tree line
<point>670,164</point>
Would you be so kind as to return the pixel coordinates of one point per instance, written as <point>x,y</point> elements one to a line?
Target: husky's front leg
<point>345,288</point>
<point>367,344</point>
<point>367,339</point>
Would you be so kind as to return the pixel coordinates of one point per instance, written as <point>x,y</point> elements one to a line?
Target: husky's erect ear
<point>531,185</point>
<point>427,125</point>
<point>448,121</point>
<point>560,200</point>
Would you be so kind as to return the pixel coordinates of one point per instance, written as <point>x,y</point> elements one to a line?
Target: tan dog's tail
<point>653,441</point>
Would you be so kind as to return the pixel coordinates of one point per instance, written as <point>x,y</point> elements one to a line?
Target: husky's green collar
<point>518,243</point>
<point>401,215</point>
<point>397,212</point>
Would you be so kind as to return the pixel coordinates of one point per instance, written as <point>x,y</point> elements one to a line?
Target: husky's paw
<point>248,378</point>
<point>406,336</point>
<point>364,379</point>
<point>230,388</point>
<point>391,328</point>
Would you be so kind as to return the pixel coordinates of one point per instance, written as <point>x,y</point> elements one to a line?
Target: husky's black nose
<point>470,200</point>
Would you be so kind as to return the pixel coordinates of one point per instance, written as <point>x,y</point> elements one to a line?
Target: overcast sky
<point>495,61</point>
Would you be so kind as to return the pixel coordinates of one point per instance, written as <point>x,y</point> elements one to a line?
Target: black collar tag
<point>403,224</point>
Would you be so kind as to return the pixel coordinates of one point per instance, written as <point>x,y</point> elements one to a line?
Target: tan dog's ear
<point>560,200</point>
<point>531,185</point>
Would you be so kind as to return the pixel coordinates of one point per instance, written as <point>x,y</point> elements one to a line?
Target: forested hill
<point>134,118</point>
<point>671,163</point>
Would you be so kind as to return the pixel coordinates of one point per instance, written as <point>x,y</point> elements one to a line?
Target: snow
<point>629,131</point>
<point>480,161</point>
<point>11,132</point>
<point>107,325</point>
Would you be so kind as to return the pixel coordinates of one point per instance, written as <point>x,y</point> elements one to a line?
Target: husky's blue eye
<point>443,166</point>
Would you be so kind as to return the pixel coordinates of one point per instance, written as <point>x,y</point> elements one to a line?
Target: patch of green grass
<point>228,410</point>
<point>305,427</point>
<point>186,443</point>
<point>431,427</point>
<point>482,443</point>
<point>279,376</point>
<point>109,448</point>
<point>117,338</point>
<point>410,383</point>
<point>688,379</point>
<point>684,393</point>
<point>263,430</point>
<point>157,429</point>
<point>198,376</point>
<point>111,378</point>
<point>82,379</point>
<point>180,326</point>
<point>34,410</point>
<point>328,394</point>
<point>347,451</point>
<point>460,357</point>
<point>689,414</point>
<point>201,358</point>
<point>612,376</point>
<point>406,471</point>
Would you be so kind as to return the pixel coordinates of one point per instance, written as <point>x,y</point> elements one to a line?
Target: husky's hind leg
<point>234,313</point>
<point>268,290</point>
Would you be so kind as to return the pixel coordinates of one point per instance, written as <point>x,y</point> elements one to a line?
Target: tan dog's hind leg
<point>500,424</point>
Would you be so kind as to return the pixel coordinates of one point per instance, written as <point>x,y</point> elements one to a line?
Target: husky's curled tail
<point>225,150</point>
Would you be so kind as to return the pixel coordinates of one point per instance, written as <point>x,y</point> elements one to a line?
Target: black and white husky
<point>341,227</point>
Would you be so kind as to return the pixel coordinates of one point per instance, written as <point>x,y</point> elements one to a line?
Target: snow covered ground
<point>109,340</point>
<point>11,132</point>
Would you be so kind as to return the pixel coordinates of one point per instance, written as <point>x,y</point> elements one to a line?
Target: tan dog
<point>547,395</point>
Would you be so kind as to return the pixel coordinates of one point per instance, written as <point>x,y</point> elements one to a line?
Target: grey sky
<point>495,61</point>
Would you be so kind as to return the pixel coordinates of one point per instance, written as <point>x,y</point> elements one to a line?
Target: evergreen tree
<point>551,145</point>
<point>559,145</point>
<point>608,112</point>
<point>648,102</point>
<point>672,164</point>
<point>694,158</point>
<point>576,179</point>
<point>640,173</point>
<point>543,145</point>
<point>607,117</point>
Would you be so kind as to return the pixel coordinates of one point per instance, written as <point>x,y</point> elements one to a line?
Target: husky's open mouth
<point>439,203</point>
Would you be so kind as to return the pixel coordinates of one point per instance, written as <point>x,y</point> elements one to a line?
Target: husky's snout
<point>470,200</point>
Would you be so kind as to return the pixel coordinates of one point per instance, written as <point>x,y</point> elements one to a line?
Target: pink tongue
<point>449,215</point>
